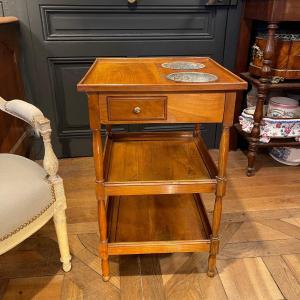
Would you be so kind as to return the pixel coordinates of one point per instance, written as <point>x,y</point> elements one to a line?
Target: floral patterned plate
<point>271,127</point>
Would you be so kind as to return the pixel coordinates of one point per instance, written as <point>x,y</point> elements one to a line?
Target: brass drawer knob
<point>137,110</point>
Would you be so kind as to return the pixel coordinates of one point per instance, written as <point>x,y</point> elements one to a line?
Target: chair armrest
<point>21,110</point>
<point>50,161</point>
<point>34,117</point>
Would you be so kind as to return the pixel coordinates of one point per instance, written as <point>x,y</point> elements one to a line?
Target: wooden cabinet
<point>273,12</point>
<point>149,185</point>
<point>12,133</point>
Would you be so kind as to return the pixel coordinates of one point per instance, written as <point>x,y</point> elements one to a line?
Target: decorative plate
<point>192,77</point>
<point>183,65</point>
<point>286,155</point>
<point>271,127</point>
<point>284,162</point>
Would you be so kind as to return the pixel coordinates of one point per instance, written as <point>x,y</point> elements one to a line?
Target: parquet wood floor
<point>259,258</point>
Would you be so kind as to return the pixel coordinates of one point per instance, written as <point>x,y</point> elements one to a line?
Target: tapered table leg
<point>97,146</point>
<point>100,192</point>
<point>220,192</point>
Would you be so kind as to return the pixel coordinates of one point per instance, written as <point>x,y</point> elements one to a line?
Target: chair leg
<point>62,238</point>
<point>60,223</point>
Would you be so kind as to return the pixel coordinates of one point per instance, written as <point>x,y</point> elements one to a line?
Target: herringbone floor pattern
<point>259,258</point>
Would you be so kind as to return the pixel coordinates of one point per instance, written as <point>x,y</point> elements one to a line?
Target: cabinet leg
<point>251,158</point>
<point>255,132</point>
<point>261,96</point>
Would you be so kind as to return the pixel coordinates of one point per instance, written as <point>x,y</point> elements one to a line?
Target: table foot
<point>211,265</point>
<point>211,273</point>
<point>105,278</point>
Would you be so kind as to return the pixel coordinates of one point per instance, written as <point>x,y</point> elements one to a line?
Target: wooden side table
<point>148,185</point>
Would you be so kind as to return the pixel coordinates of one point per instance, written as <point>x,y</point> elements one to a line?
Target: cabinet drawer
<point>136,108</point>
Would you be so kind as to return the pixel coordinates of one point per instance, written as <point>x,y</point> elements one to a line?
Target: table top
<point>6,20</point>
<point>147,74</point>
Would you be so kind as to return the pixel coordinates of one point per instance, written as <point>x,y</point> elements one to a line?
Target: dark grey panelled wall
<point>61,38</point>
<point>1,9</point>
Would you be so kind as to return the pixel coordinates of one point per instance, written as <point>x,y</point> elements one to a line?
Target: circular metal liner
<point>183,65</point>
<point>192,77</point>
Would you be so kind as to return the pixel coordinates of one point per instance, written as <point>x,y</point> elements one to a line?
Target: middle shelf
<point>157,163</point>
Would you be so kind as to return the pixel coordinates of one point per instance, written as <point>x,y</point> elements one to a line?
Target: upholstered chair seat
<point>31,195</point>
<point>25,193</point>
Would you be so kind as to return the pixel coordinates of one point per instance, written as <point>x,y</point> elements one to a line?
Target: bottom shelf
<point>157,224</point>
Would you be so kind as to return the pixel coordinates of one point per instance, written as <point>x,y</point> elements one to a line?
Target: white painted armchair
<point>29,194</point>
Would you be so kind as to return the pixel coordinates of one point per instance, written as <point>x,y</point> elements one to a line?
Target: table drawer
<point>167,108</point>
<point>120,108</point>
